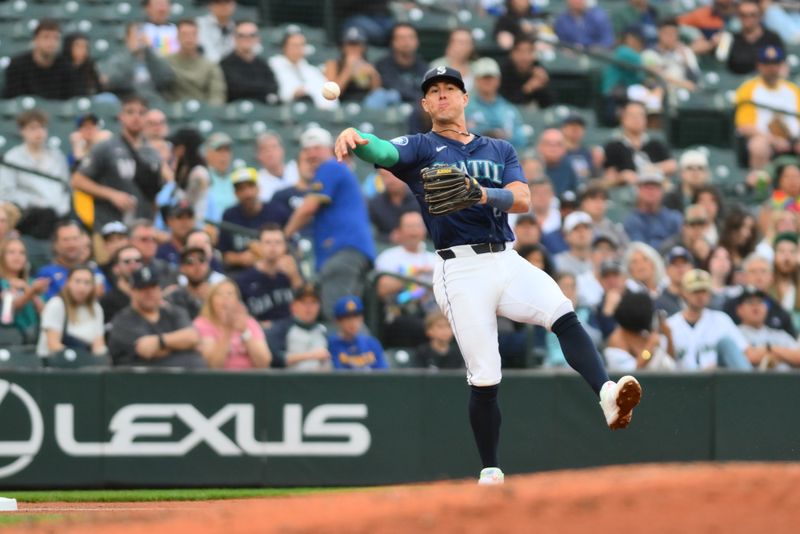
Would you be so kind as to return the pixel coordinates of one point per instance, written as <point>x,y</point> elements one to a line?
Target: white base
<point>8,505</point>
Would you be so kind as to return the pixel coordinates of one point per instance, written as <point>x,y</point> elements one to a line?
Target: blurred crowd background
<point>169,196</point>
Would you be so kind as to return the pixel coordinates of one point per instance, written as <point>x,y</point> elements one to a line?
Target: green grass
<point>157,494</point>
<point>13,519</point>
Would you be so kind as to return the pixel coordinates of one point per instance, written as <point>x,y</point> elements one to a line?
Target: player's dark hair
<point>32,115</point>
<point>118,253</point>
<point>668,22</point>
<point>779,170</point>
<point>186,22</point>
<point>628,103</point>
<point>47,25</point>
<point>523,38</point>
<point>398,26</point>
<point>132,98</point>
<point>269,227</point>
<point>635,311</point>
<point>65,224</point>
<point>527,250</point>
<point>713,191</point>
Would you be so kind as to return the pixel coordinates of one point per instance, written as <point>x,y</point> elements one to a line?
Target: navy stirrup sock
<point>484,416</point>
<point>579,350</point>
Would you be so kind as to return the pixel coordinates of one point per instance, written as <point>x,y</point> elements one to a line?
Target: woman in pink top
<point>229,337</point>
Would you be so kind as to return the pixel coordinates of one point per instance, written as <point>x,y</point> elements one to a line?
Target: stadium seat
<point>702,118</point>
<point>10,336</point>
<point>76,359</point>
<point>399,357</point>
<point>19,357</point>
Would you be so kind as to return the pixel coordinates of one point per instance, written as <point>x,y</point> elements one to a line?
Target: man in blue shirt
<point>557,165</point>
<point>585,26</point>
<point>69,241</point>
<point>250,213</point>
<point>651,222</point>
<point>350,349</point>
<point>343,245</point>
<point>218,159</point>
<point>488,113</point>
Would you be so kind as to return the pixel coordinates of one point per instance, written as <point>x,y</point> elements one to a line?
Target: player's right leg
<point>532,296</point>
<point>467,296</point>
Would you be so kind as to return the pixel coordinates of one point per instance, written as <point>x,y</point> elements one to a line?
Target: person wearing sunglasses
<point>750,39</point>
<point>123,263</point>
<point>195,280</point>
<point>694,173</point>
<point>247,75</point>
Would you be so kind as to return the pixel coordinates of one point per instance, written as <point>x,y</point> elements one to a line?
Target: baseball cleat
<point>491,476</point>
<point>618,401</point>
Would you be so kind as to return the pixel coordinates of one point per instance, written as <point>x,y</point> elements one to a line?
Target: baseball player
<point>466,185</point>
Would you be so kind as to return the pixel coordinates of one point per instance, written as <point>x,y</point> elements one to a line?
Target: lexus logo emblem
<point>22,452</point>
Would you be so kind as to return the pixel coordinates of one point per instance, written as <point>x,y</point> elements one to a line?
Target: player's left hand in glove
<point>449,189</point>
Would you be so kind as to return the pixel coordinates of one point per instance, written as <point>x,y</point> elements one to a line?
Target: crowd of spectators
<point>160,252</point>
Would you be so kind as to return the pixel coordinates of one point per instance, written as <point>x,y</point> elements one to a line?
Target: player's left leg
<point>531,296</point>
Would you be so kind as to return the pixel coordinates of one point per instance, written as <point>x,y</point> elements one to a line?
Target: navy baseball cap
<point>749,292</point>
<point>442,74</point>
<point>143,278</point>
<point>348,306</point>
<point>771,54</point>
<point>678,252</point>
<point>177,207</point>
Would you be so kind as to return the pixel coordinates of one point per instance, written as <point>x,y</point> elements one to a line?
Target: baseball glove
<point>449,189</point>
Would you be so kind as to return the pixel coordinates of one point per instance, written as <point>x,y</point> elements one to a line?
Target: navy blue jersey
<point>267,297</point>
<point>493,162</point>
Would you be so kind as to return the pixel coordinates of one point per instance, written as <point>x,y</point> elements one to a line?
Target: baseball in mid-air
<point>331,90</point>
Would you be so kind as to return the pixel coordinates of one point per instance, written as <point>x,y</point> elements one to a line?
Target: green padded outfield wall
<point>118,429</point>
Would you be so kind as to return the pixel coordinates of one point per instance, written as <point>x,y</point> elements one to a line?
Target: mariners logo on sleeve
<point>400,141</point>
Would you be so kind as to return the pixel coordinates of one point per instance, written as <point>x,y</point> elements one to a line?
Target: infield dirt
<point>686,498</point>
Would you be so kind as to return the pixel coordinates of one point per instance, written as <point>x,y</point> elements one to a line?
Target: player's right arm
<point>368,147</point>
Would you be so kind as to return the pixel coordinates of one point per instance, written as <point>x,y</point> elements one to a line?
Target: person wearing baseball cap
<point>693,234</point>
<point>679,261</point>
<point>150,334</point>
<point>218,154</point>
<point>349,348</point>
<point>249,213</point>
<point>300,342</point>
<point>768,133</point>
<point>604,249</point>
<point>694,174</point>
<point>583,158</point>
<point>343,244</point>
<point>705,339</point>
<point>115,236</point>
<point>354,74</point>
<point>578,235</point>
<point>651,222</point>
<point>180,219</point>
<point>487,112</point>
<point>770,348</point>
